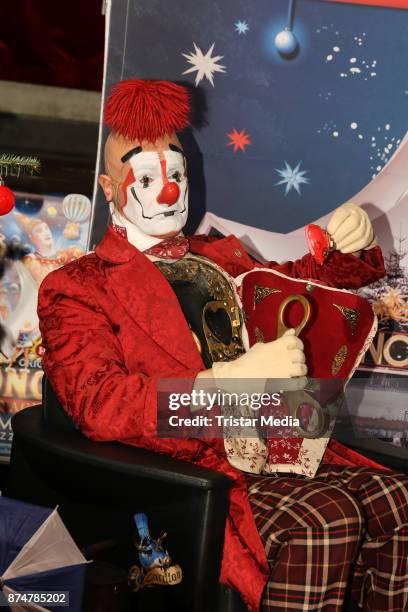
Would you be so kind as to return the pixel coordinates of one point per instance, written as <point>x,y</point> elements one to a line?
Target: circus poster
<point>42,233</point>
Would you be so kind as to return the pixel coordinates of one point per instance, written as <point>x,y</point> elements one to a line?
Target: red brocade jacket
<point>112,327</point>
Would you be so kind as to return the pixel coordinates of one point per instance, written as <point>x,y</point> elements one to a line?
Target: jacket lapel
<point>148,298</point>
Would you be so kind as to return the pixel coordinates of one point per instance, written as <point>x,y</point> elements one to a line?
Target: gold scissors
<point>295,399</point>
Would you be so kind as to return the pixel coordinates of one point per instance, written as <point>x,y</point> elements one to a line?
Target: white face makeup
<point>42,238</point>
<point>157,201</point>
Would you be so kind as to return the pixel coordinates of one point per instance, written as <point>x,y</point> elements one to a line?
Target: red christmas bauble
<point>318,241</point>
<point>6,200</point>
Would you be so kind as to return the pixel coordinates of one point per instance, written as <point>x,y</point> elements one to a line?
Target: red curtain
<point>52,43</point>
<point>61,43</point>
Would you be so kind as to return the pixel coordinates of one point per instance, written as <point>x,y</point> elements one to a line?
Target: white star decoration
<point>292,177</point>
<point>241,27</point>
<point>204,65</point>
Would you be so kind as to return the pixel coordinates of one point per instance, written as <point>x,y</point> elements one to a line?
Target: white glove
<point>283,358</point>
<point>351,229</point>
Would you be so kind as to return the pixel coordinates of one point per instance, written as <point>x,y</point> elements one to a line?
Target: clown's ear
<point>106,183</point>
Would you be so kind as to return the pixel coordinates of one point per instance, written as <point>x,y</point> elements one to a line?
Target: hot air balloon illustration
<point>76,208</point>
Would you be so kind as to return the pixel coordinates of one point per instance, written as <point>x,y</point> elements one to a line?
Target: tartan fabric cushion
<point>346,523</point>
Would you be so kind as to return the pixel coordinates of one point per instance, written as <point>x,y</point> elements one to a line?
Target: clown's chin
<point>168,223</point>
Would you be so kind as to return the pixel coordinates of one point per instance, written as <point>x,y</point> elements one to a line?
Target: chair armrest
<point>98,487</point>
<point>68,443</point>
<point>385,453</point>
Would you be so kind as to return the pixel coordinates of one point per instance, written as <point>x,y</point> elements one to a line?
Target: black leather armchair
<point>99,486</point>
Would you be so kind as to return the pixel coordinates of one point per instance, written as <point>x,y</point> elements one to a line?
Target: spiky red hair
<point>147,110</point>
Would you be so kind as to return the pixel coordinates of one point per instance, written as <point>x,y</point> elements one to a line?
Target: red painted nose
<point>169,194</point>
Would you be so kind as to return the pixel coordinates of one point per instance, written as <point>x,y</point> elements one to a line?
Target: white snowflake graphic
<point>241,27</point>
<point>205,65</point>
<point>292,177</point>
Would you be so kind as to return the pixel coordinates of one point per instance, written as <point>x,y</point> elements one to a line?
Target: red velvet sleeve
<point>84,362</point>
<point>339,270</point>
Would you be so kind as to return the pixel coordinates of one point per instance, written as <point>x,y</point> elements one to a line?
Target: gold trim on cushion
<point>339,359</point>
<point>259,337</point>
<point>352,315</point>
<point>260,293</point>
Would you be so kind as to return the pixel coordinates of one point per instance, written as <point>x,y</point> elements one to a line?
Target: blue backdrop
<point>311,129</point>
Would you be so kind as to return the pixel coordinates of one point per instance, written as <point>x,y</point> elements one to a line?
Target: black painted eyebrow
<point>137,150</point>
<point>130,153</point>
<point>177,149</point>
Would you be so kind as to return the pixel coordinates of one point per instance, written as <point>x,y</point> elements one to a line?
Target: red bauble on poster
<point>6,200</point>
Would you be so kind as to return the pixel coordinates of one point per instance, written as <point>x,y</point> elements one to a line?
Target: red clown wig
<point>147,110</point>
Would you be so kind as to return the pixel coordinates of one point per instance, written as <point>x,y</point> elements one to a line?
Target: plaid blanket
<point>345,525</point>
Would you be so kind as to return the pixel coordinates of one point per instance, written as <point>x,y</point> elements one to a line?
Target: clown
<point>45,257</point>
<point>116,321</point>
<point>146,182</point>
